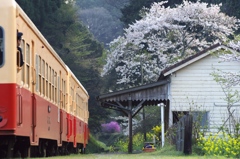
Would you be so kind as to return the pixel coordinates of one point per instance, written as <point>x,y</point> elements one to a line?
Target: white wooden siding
<point>193,88</point>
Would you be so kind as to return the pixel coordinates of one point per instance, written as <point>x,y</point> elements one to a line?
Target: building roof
<point>134,99</point>
<point>191,59</point>
<point>151,93</point>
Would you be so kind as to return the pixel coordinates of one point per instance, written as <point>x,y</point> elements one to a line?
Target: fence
<point>184,134</point>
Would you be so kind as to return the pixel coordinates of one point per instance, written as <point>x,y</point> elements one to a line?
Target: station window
<point>1,47</point>
<point>199,117</point>
<point>202,117</point>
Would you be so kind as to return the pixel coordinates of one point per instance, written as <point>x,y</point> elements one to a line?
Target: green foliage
<point>137,141</point>
<point>157,131</point>
<point>231,98</point>
<point>102,18</point>
<point>122,144</point>
<point>231,8</point>
<point>167,150</point>
<point>219,145</point>
<point>110,138</point>
<point>39,10</point>
<point>131,12</point>
<point>95,146</point>
<point>152,113</point>
<point>80,51</point>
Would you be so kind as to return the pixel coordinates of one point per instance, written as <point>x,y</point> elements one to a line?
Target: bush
<point>138,142</point>
<point>95,146</point>
<point>219,145</point>
<point>109,138</point>
<point>111,127</point>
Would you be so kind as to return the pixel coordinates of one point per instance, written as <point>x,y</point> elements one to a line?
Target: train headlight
<point>1,118</point>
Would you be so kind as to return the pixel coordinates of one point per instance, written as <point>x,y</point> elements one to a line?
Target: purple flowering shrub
<point>111,127</point>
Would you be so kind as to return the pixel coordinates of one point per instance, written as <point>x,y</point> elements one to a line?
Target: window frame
<point>2,48</point>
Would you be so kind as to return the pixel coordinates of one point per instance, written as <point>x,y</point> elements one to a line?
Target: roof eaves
<point>188,61</point>
<point>134,89</point>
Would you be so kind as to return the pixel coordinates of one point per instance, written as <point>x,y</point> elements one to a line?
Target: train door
<point>34,88</point>
<point>69,126</point>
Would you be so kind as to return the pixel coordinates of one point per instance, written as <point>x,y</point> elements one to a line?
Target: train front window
<point>1,47</point>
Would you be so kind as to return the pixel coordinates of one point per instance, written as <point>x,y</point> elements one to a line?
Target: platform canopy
<point>131,101</point>
<point>145,95</point>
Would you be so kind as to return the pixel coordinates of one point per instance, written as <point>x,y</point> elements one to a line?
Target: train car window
<point>23,48</point>
<point>23,53</point>
<point>53,85</point>
<point>37,73</point>
<point>49,76</point>
<point>43,68</point>
<point>46,71</point>
<point>55,79</point>
<point>43,77</point>
<point>52,77</point>
<point>79,105</point>
<point>1,47</point>
<point>47,80</point>
<point>27,61</point>
<point>58,90</point>
<point>64,94</point>
<point>61,94</point>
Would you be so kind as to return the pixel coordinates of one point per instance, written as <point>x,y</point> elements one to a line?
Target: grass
<point>132,156</point>
<point>165,153</point>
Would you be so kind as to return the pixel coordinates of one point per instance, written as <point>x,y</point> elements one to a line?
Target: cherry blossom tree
<point>164,36</point>
<point>230,82</point>
<point>231,78</point>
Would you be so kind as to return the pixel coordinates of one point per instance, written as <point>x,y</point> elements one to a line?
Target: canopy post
<point>130,125</point>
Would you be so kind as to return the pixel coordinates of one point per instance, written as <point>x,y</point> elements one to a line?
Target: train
<point>43,106</point>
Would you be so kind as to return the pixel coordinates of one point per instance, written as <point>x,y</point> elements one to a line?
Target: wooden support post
<point>130,125</point>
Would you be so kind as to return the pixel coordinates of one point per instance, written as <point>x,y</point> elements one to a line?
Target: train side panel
<point>40,75</point>
<point>78,109</point>
<point>43,106</point>
<point>8,79</point>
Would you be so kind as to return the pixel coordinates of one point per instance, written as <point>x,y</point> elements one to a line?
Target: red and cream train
<point>43,106</point>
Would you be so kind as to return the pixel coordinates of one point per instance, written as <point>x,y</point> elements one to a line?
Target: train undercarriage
<point>19,147</point>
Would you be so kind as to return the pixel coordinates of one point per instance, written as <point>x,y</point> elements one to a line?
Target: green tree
<point>102,18</point>
<point>131,12</point>
<point>39,10</point>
